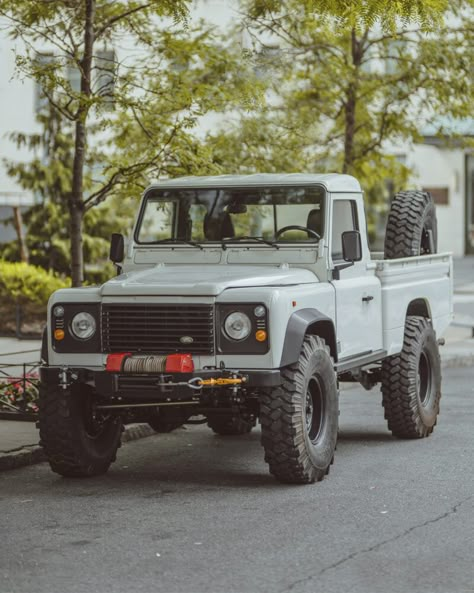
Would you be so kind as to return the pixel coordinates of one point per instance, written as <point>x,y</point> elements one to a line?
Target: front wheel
<point>78,440</point>
<point>411,382</point>
<point>300,418</point>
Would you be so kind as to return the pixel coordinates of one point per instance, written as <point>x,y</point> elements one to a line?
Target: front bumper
<point>175,387</point>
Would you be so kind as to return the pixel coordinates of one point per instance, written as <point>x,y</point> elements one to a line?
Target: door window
<point>344,218</point>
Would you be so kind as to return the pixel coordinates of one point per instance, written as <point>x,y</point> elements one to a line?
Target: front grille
<point>157,328</point>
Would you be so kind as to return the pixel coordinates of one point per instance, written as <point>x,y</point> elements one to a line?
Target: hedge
<point>26,284</point>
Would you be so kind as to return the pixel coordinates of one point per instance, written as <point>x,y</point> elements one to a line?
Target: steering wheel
<point>295,227</point>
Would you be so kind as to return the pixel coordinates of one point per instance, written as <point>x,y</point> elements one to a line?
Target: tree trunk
<point>18,223</point>
<point>76,207</point>
<point>350,105</point>
<point>349,129</point>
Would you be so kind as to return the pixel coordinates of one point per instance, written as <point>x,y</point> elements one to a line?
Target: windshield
<point>227,215</point>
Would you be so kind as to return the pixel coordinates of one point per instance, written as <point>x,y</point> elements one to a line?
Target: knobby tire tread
<point>409,211</point>
<point>282,432</point>
<point>399,391</point>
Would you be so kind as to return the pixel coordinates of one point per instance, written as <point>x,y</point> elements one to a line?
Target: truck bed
<point>417,282</point>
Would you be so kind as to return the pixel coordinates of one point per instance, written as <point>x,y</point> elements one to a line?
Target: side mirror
<point>117,248</point>
<point>351,246</point>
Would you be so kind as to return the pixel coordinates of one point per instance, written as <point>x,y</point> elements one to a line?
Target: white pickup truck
<point>249,297</point>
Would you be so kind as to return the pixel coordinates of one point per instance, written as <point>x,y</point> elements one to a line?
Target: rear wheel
<point>411,382</point>
<point>78,440</point>
<point>411,225</point>
<point>300,418</point>
<point>230,425</point>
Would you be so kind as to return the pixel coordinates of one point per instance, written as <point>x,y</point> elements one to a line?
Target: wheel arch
<point>301,323</point>
<point>419,307</point>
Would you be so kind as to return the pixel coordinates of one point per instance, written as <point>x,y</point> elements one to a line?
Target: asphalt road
<point>193,512</point>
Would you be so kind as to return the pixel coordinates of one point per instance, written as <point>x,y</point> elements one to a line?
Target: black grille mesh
<point>157,328</point>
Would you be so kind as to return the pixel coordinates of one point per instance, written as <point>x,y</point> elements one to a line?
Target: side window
<point>344,218</point>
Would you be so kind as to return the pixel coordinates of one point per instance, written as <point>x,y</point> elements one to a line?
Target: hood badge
<point>186,340</point>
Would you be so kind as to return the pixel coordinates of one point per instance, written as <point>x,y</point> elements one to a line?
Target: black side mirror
<point>351,246</point>
<point>117,248</point>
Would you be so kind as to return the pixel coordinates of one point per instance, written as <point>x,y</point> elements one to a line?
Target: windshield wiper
<point>169,240</point>
<point>247,238</point>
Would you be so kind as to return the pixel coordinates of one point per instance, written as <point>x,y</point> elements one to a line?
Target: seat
<point>218,228</point>
<point>315,222</point>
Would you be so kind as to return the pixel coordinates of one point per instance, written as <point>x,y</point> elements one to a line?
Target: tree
<point>178,76</point>
<point>47,176</point>
<point>349,78</point>
<point>74,30</point>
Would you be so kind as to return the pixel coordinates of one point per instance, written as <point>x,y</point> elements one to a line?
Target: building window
<point>42,60</point>
<point>396,49</point>
<point>105,76</point>
<point>74,78</point>
<point>440,195</point>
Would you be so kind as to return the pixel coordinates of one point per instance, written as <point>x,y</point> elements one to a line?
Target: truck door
<point>358,290</point>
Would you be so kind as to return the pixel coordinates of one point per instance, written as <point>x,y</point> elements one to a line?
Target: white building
<point>447,172</point>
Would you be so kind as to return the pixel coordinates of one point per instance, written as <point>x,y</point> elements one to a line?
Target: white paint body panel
<point>285,280</point>
<point>428,277</point>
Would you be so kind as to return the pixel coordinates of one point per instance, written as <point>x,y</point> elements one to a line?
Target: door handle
<point>368,298</point>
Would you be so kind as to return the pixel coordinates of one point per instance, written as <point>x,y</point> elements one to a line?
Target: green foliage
<point>348,79</point>
<point>47,175</point>
<point>145,129</point>
<point>23,283</point>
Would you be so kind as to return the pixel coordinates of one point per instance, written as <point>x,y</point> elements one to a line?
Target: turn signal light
<point>261,335</point>
<point>115,361</point>
<point>179,363</point>
<point>59,334</point>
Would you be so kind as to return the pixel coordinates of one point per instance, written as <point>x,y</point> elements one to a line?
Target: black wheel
<point>300,418</point>
<point>166,420</point>
<point>230,425</point>
<point>78,440</point>
<point>411,225</point>
<point>411,382</point>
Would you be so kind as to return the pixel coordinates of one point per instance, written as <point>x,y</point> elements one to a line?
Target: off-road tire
<point>411,382</point>
<point>299,442</point>
<point>229,425</point>
<point>73,448</point>
<point>166,420</point>
<point>411,221</point>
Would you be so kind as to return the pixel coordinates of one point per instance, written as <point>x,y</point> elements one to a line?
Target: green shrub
<point>22,283</point>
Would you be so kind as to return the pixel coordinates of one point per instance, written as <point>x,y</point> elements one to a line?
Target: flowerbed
<point>20,395</point>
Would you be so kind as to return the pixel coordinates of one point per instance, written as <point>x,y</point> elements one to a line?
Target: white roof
<point>333,182</point>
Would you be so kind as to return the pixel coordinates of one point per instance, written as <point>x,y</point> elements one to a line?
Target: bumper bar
<point>179,386</point>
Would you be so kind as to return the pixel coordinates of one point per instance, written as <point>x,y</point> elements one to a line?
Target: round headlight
<point>237,326</point>
<point>83,326</point>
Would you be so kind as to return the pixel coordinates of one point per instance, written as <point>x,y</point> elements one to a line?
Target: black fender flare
<point>302,322</point>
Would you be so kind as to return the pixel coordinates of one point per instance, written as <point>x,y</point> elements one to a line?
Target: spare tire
<point>411,226</point>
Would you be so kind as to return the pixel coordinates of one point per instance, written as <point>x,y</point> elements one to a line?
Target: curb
<point>463,360</point>
<point>31,454</point>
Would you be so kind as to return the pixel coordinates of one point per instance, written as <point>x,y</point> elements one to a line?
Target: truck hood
<point>202,280</point>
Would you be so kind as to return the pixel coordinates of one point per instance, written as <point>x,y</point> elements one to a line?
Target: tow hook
<point>66,378</point>
<point>198,383</point>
